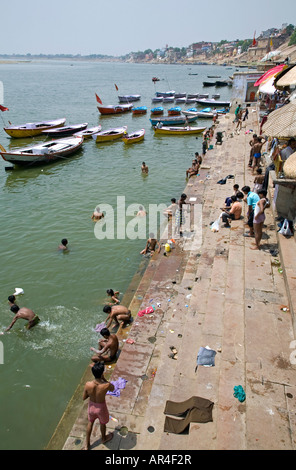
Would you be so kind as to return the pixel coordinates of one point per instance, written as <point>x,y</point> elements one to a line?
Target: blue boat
<point>175,111</point>
<point>157,110</point>
<point>139,110</point>
<point>171,120</point>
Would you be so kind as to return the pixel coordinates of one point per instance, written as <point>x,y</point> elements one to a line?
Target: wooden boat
<point>31,129</point>
<point>180,100</point>
<point>209,83</point>
<point>214,76</point>
<point>192,95</point>
<point>109,134</point>
<point>215,96</point>
<point>65,131</point>
<point>156,111</point>
<point>157,99</point>
<point>115,109</point>
<point>173,120</point>
<point>180,95</point>
<point>165,93</point>
<point>169,99</point>
<point>221,83</point>
<point>204,113</point>
<point>47,152</point>
<point>137,136</point>
<point>176,111</point>
<point>128,98</point>
<point>139,110</point>
<point>89,131</point>
<point>167,130</point>
<point>203,95</point>
<point>213,102</point>
<point>190,100</point>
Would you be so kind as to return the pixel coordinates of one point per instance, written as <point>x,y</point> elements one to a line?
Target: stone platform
<point>222,295</point>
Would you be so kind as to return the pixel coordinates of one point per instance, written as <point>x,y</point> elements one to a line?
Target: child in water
<point>113,295</point>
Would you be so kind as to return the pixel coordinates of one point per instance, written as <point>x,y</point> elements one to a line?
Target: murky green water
<point>40,206</point>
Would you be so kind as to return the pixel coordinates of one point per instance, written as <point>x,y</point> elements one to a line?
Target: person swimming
<point>64,244</point>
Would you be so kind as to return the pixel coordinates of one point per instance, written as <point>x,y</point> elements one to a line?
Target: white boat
<point>168,99</point>
<point>89,131</point>
<point>212,102</point>
<point>165,93</point>
<point>47,152</point>
<point>204,113</point>
<point>128,98</point>
<point>157,99</point>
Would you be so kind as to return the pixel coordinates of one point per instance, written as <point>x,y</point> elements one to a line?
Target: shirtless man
<point>108,347</point>
<point>257,154</point>
<point>144,168</point>
<point>151,245</point>
<point>24,313</point>
<point>96,391</point>
<point>117,313</point>
<point>141,212</point>
<point>97,214</point>
<point>193,170</point>
<point>64,244</point>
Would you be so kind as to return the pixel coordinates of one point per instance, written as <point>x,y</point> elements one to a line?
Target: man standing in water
<point>24,313</point>
<point>96,391</point>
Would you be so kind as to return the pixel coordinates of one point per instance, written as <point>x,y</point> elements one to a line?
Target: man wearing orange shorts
<point>96,391</point>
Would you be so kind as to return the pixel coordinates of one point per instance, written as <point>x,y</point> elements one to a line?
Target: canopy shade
<point>288,78</point>
<point>270,73</point>
<point>281,123</point>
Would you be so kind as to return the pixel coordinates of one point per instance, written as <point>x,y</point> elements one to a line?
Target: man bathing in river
<point>108,347</point>
<point>151,245</point>
<point>117,313</point>
<point>96,391</point>
<point>24,313</point>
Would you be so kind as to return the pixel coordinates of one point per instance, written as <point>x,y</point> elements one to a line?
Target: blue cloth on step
<point>206,357</point>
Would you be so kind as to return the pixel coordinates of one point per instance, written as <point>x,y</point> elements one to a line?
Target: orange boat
<point>116,109</point>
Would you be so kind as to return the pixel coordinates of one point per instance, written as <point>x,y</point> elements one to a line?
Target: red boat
<point>117,109</point>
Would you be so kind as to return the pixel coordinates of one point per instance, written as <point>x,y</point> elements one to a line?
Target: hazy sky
<point>116,27</point>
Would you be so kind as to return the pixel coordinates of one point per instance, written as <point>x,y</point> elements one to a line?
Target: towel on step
<point>197,409</point>
<point>119,384</point>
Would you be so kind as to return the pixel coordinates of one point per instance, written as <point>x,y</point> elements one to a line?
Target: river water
<point>40,206</point>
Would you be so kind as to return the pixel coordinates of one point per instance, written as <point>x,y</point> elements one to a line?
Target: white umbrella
<point>267,87</point>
